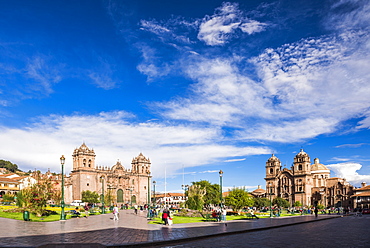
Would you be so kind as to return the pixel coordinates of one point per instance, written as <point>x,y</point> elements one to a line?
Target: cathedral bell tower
<point>273,168</point>
<point>302,163</point>
<point>83,158</point>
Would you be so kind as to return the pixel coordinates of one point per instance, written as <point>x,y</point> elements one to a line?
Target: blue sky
<point>196,86</point>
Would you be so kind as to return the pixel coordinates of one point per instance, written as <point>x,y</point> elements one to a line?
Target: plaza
<point>130,231</point>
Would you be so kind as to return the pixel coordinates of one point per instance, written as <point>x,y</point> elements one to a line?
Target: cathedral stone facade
<point>307,183</point>
<point>124,185</point>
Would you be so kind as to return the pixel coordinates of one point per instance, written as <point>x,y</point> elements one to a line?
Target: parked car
<point>77,203</point>
<point>365,211</point>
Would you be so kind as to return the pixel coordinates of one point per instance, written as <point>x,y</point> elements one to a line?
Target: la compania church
<point>306,183</point>
<point>126,185</point>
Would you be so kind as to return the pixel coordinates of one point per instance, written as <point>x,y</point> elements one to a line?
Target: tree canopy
<point>212,192</point>
<point>238,198</point>
<point>8,165</point>
<point>195,199</point>
<point>261,202</point>
<point>90,196</point>
<point>281,202</point>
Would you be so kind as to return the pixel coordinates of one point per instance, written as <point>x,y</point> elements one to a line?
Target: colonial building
<point>119,184</point>
<point>362,196</point>
<point>307,183</point>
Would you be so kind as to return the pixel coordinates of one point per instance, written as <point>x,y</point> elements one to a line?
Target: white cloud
<point>43,75</point>
<point>103,80</point>
<point>235,160</point>
<point>349,172</point>
<point>151,66</point>
<point>113,137</point>
<point>304,89</point>
<point>218,28</point>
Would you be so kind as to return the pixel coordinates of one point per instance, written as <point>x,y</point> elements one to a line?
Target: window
<point>300,167</point>
<point>271,171</point>
<point>88,184</point>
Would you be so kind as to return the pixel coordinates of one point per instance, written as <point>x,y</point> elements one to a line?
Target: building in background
<point>362,196</point>
<point>306,183</point>
<point>121,185</point>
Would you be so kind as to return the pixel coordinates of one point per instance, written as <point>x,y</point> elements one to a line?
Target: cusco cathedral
<point>125,185</point>
<point>307,183</point>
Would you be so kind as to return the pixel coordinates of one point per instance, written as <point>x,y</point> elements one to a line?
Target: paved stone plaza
<point>131,230</point>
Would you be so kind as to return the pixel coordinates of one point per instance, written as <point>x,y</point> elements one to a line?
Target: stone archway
<point>120,195</point>
<point>133,199</point>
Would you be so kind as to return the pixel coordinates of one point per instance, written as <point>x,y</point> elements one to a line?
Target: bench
<point>208,217</point>
<point>251,216</point>
<point>74,213</point>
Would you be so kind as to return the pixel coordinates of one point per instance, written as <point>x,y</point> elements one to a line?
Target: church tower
<point>83,174</point>
<point>302,177</point>
<point>273,168</point>
<point>83,158</point>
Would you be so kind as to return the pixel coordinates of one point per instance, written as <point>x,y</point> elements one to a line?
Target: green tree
<point>36,197</point>
<point>8,198</point>
<point>195,199</point>
<point>8,165</point>
<point>280,202</point>
<point>297,204</point>
<point>212,192</point>
<point>261,202</point>
<point>90,197</point>
<point>238,198</point>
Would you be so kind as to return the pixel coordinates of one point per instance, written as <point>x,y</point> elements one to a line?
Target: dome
<point>273,158</point>
<point>302,154</point>
<point>317,167</point>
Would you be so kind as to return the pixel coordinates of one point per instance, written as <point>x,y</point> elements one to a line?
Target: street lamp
<point>102,195</point>
<point>62,214</point>
<point>155,202</point>
<point>221,172</point>
<point>269,190</point>
<point>148,215</point>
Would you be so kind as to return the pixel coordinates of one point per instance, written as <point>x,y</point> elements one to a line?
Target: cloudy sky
<point>196,86</point>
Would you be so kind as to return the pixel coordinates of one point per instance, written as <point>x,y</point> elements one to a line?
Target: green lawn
<point>55,217</point>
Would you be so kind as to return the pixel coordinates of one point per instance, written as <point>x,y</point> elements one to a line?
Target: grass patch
<point>34,218</point>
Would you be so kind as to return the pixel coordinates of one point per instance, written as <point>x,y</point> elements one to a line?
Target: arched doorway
<point>133,199</point>
<point>120,195</point>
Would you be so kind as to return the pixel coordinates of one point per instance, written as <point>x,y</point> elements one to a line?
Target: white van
<point>77,203</point>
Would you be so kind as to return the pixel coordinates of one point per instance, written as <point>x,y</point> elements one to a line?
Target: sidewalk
<point>130,230</point>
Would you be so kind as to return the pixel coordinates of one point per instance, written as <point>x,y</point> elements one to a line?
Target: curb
<point>175,241</point>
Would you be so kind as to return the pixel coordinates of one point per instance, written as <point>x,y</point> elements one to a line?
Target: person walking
<point>86,207</point>
<point>316,212</point>
<point>115,212</point>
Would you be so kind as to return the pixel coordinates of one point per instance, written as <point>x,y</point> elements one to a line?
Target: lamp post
<point>148,215</point>
<point>62,214</point>
<point>102,195</point>
<point>221,172</point>
<point>269,190</point>
<point>155,202</point>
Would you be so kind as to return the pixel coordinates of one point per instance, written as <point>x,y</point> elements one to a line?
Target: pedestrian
<point>115,212</point>
<point>316,212</point>
<point>135,208</point>
<point>224,214</point>
<point>86,207</point>
<point>165,216</point>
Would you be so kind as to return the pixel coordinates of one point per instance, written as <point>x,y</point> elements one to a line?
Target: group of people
<point>219,215</point>
<point>166,217</point>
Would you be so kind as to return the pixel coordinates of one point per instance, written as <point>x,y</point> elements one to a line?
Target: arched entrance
<point>133,199</point>
<point>120,195</point>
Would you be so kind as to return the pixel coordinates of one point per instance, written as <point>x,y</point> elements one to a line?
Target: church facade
<point>122,185</point>
<point>306,183</point>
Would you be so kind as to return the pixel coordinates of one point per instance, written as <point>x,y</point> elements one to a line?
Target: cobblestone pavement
<point>130,230</point>
<point>349,231</point>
